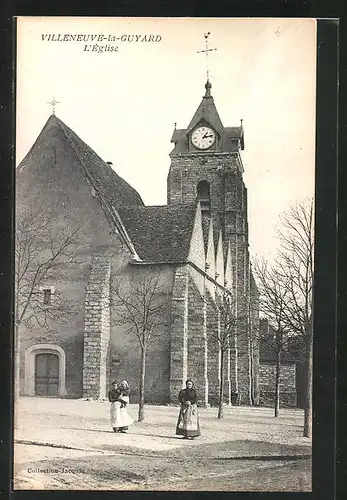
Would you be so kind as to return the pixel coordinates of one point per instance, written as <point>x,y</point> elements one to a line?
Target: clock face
<point>203,137</point>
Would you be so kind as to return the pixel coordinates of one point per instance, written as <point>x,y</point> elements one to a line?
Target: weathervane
<point>206,51</point>
<point>53,102</point>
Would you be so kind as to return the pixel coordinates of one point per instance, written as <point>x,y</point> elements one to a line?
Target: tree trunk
<point>141,414</point>
<point>236,367</point>
<point>221,385</point>
<point>277,387</point>
<point>229,376</point>
<point>250,374</point>
<point>16,373</point>
<point>308,405</point>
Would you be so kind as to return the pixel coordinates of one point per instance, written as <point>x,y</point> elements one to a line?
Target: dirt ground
<point>77,470</point>
<point>69,445</point>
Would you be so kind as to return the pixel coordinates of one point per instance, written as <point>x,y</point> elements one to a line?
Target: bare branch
<point>286,287</point>
<point>39,258</point>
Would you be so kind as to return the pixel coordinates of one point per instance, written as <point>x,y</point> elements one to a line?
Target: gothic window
<point>203,195</point>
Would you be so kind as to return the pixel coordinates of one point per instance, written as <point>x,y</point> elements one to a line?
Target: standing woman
<point>119,398</point>
<point>188,418</point>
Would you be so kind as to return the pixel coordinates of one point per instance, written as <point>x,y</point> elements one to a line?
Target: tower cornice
<point>210,154</point>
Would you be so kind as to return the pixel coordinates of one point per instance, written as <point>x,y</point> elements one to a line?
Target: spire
<point>207,111</point>
<point>208,89</point>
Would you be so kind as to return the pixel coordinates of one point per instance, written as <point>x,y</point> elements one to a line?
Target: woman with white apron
<point>119,398</point>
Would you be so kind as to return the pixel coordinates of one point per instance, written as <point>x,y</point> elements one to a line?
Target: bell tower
<point>206,165</point>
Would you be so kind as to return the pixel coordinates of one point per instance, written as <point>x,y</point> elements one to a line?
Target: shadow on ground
<point>218,451</point>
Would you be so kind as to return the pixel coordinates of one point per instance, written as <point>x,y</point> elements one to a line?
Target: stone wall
<point>228,202</point>
<point>97,329</point>
<point>267,376</point>
<point>125,351</point>
<point>179,333</point>
<point>213,326</point>
<point>195,351</point>
<point>197,342</point>
<point>188,169</point>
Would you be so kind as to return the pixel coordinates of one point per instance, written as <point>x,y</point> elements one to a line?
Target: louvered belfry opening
<point>203,195</point>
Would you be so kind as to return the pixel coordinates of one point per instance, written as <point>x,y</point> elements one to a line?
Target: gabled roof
<point>114,190</point>
<point>232,136</point>
<point>160,233</point>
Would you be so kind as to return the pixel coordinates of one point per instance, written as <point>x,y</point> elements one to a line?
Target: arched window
<point>203,195</point>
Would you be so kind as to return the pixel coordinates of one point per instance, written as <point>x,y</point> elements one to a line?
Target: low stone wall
<point>287,399</point>
<point>267,378</point>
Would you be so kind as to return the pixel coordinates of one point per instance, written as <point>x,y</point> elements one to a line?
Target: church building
<point>197,246</point>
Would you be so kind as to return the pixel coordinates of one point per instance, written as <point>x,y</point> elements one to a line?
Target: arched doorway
<point>45,366</point>
<point>46,374</point>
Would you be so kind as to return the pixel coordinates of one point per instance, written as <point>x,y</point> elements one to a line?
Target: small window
<point>47,296</point>
<point>47,293</point>
<point>203,195</point>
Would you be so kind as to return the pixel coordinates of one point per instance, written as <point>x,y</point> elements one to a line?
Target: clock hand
<point>207,136</point>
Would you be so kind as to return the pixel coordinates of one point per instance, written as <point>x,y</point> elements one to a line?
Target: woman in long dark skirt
<point>188,418</point>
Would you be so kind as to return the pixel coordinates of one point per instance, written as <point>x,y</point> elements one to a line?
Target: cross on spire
<point>206,51</point>
<point>53,102</point>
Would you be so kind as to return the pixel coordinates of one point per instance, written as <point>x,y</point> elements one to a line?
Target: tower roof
<point>231,138</point>
<point>207,111</point>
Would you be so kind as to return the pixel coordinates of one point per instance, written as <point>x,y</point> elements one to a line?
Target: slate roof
<point>115,190</point>
<point>207,111</point>
<point>160,233</point>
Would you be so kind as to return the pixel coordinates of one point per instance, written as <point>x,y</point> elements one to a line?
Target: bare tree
<point>273,302</point>
<point>224,336</point>
<point>296,257</point>
<point>287,289</point>
<point>40,258</point>
<point>142,310</point>
<point>254,341</point>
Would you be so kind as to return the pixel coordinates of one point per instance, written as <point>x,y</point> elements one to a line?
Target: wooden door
<point>46,374</point>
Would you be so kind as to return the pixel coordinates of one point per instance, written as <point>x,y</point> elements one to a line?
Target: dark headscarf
<point>189,394</point>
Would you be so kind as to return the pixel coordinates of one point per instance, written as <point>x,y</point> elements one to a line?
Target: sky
<point>125,103</point>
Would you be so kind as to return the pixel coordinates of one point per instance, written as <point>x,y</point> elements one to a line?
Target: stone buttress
<point>97,329</point>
